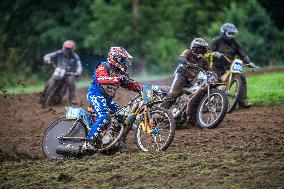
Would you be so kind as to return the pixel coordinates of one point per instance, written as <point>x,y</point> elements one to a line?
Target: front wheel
<point>161,131</point>
<point>50,91</point>
<point>212,109</point>
<point>234,93</point>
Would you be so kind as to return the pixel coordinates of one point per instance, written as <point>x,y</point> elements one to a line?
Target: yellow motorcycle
<point>231,80</point>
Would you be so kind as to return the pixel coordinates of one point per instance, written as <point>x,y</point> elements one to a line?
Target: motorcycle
<point>155,128</point>
<point>56,89</point>
<point>201,103</point>
<point>232,83</point>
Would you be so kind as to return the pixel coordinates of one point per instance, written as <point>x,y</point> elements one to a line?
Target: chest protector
<point>110,90</point>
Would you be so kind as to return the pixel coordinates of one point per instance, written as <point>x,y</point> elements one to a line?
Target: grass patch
<point>83,83</point>
<point>266,89</point>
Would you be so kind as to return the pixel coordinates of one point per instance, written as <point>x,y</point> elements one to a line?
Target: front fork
<point>148,123</point>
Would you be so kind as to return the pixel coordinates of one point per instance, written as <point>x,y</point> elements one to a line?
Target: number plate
<point>237,66</point>
<point>73,113</point>
<point>59,72</point>
<point>201,75</point>
<point>147,93</point>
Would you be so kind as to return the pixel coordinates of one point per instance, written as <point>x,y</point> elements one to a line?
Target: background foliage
<point>155,32</point>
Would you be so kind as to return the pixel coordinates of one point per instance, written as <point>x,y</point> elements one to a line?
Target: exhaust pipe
<point>68,149</point>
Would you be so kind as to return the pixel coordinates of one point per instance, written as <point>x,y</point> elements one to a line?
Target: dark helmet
<point>228,31</point>
<point>199,46</point>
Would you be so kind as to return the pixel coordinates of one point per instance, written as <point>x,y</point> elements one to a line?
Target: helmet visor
<point>231,34</point>
<point>128,62</point>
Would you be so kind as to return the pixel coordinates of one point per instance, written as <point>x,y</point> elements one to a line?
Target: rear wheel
<point>61,127</point>
<point>234,93</point>
<point>162,131</point>
<point>212,109</point>
<point>177,108</point>
<point>110,137</point>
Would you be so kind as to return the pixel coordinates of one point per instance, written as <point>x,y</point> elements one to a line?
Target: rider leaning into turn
<point>228,46</point>
<point>107,77</point>
<point>66,56</point>
<point>187,69</point>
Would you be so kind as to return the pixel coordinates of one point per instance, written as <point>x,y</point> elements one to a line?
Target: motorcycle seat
<point>164,88</point>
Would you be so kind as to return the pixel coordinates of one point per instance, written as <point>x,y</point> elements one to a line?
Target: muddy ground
<point>245,151</point>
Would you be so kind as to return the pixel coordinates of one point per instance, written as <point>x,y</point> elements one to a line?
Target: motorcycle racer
<point>108,76</point>
<point>227,45</point>
<point>187,69</point>
<point>66,56</point>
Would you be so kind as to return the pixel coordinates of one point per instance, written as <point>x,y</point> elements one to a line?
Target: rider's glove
<point>251,65</point>
<point>77,75</point>
<point>47,59</point>
<point>124,79</point>
<point>217,55</point>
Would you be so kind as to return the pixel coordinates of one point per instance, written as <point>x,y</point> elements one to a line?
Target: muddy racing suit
<point>229,48</point>
<point>106,81</point>
<point>184,74</point>
<point>73,64</point>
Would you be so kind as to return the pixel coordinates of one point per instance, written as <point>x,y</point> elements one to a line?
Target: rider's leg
<point>243,101</point>
<point>178,84</point>
<point>72,88</point>
<point>101,110</point>
<point>114,107</point>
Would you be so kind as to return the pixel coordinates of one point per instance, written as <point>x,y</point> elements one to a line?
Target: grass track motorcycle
<point>201,103</point>
<point>155,128</point>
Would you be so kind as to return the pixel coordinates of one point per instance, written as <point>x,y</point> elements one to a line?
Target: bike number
<point>237,66</point>
<point>59,72</point>
<point>202,76</point>
<point>72,113</point>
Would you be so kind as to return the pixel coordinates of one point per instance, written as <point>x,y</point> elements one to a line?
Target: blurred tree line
<point>154,32</point>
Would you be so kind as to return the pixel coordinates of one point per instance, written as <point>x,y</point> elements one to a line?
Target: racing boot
<point>88,147</point>
<point>244,104</point>
<point>121,144</point>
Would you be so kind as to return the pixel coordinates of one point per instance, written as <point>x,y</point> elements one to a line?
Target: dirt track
<point>254,137</point>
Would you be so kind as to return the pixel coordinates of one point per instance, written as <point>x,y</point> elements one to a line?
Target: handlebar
<point>248,65</point>
<point>72,73</point>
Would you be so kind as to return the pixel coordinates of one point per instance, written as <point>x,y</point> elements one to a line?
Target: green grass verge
<point>83,83</point>
<point>266,89</point>
<point>263,90</point>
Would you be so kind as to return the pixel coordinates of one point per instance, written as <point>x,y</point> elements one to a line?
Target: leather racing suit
<point>184,74</point>
<point>229,48</point>
<point>106,80</point>
<point>72,63</point>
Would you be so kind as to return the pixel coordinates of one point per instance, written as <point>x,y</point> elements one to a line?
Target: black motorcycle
<point>57,87</point>
<point>201,103</point>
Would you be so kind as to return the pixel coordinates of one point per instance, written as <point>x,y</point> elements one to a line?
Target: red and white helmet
<point>69,44</point>
<point>119,58</point>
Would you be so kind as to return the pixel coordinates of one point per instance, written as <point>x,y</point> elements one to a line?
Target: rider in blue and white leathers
<point>107,77</point>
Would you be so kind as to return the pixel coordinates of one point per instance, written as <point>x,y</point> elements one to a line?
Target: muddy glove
<point>217,55</point>
<point>47,59</point>
<point>124,79</point>
<point>252,65</point>
<point>77,75</point>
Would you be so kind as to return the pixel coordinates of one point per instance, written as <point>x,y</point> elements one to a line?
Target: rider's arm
<point>51,57</point>
<point>132,86</point>
<point>214,44</point>
<point>79,68</point>
<point>241,53</point>
<point>103,76</point>
<point>185,56</point>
